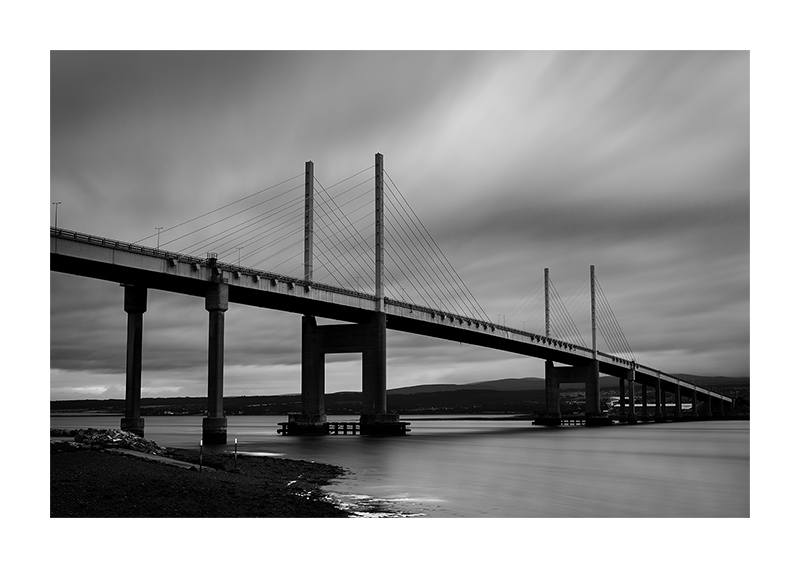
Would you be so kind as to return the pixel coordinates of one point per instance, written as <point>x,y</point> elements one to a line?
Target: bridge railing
<point>487,325</point>
<point>160,253</point>
<point>165,254</point>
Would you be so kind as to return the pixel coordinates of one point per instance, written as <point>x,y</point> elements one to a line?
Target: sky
<point>636,162</point>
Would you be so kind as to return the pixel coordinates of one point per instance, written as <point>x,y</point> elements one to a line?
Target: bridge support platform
<point>555,376</point>
<point>368,338</point>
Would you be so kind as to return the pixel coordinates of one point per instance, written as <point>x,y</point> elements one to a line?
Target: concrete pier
<point>135,306</point>
<point>678,408</point>
<point>593,391</point>
<point>659,415</point>
<point>215,425</point>
<point>552,414</point>
<point>631,396</point>
<point>645,414</point>
<point>369,339</point>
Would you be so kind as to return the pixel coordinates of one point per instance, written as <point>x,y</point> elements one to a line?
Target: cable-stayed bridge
<point>359,255</point>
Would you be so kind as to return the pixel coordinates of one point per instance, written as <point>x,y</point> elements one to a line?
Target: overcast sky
<point>635,162</point>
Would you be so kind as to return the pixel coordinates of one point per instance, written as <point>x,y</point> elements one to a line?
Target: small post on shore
<point>201,455</point>
<point>235,453</point>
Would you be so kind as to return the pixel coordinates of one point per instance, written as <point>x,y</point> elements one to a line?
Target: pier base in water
<point>215,430</point>
<point>302,424</point>
<point>547,420</point>
<point>133,425</point>
<point>598,420</point>
<point>383,425</point>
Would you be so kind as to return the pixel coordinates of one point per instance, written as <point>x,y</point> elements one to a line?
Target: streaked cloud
<point>636,162</point>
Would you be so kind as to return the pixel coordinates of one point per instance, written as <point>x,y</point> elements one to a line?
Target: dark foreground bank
<point>96,482</point>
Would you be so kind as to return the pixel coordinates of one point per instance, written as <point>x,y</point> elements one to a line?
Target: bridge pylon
<point>367,338</point>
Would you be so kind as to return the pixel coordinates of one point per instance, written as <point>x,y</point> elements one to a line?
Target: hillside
<point>509,395</point>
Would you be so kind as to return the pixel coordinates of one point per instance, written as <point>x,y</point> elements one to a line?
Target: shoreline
<point>89,481</point>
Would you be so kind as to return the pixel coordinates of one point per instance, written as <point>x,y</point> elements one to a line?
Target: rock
<point>111,438</point>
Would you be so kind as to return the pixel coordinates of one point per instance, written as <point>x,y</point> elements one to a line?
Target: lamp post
<point>240,256</point>
<point>56,203</point>
<point>158,242</point>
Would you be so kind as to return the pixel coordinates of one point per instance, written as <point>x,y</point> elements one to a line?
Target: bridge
<point>367,317</point>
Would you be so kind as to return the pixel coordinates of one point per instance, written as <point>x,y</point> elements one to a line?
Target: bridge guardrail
<point>149,251</point>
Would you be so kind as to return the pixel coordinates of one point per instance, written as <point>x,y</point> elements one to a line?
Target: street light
<point>56,203</point>
<point>158,242</point>
<point>240,256</point>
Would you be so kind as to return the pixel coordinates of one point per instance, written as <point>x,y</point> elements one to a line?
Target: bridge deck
<point>126,263</point>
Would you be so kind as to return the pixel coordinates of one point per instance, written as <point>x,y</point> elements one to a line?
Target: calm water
<point>478,468</point>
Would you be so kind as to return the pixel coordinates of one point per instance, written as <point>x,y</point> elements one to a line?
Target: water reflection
<point>479,468</point>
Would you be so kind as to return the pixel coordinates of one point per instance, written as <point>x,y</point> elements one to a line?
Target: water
<point>480,469</point>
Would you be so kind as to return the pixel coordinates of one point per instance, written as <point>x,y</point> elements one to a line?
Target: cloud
<point>635,162</point>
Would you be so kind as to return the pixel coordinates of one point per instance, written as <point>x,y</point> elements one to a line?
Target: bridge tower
<point>593,414</point>
<point>588,374</point>
<point>367,337</point>
<point>552,415</point>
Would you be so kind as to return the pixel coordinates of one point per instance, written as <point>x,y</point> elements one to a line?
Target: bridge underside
<point>139,269</point>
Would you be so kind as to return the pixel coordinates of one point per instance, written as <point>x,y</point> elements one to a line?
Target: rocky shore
<point>90,476</point>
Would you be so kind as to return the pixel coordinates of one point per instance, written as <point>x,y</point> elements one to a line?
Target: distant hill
<point>509,395</point>
<point>715,381</point>
<point>509,384</point>
<point>527,383</point>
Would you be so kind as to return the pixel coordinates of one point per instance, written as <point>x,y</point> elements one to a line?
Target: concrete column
<point>593,389</point>
<point>373,368</point>
<point>593,380</point>
<point>375,418</point>
<point>707,409</point>
<point>215,425</point>
<point>659,415</point>
<point>678,409</point>
<point>645,415</point>
<point>547,302</point>
<point>694,403</point>
<point>716,406</point>
<point>308,256</point>
<point>631,396</point>
<point>622,395</point>
<point>552,391</point>
<point>312,390</point>
<point>379,268</point>
<point>135,306</point>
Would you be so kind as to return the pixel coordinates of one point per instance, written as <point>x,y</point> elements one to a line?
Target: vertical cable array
<point>529,308</point>
<point>255,232</point>
<point>344,250</point>
<point>413,252</point>
<point>609,327</point>
<point>562,325</point>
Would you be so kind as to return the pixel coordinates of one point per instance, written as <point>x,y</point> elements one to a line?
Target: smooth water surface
<point>483,468</point>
